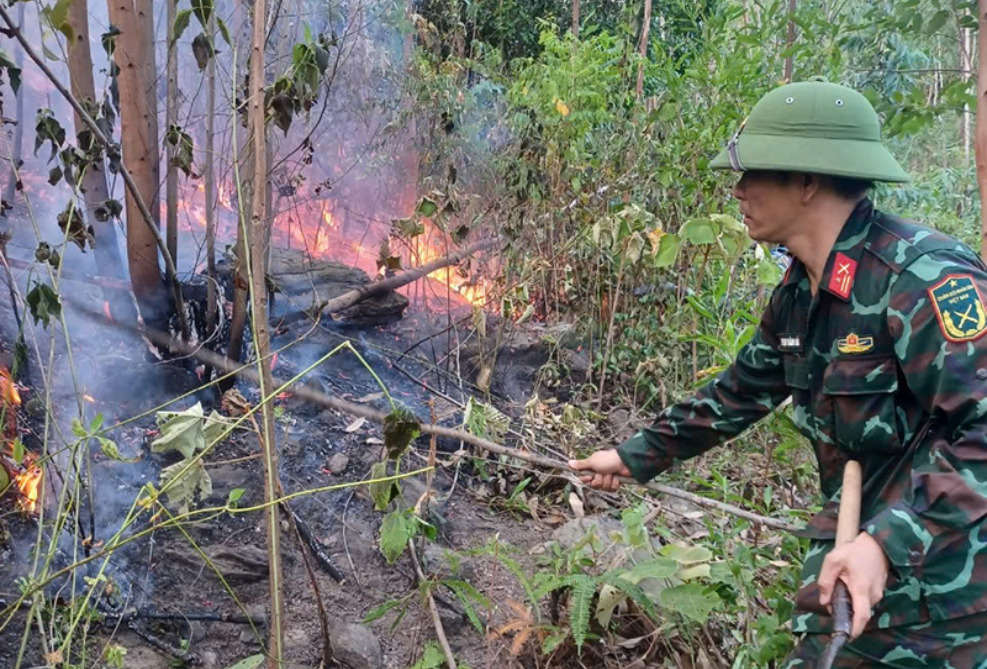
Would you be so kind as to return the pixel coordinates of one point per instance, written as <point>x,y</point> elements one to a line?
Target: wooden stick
<point>347,300</point>
<point>440,631</point>
<point>310,394</point>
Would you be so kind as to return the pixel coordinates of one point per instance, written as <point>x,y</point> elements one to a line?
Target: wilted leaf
<point>561,107</point>
<point>43,304</point>
<point>401,427</point>
<point>658,568</point>
<point>108,209</point>
<point>74,226</point>
<point>284,109</point>
<point>395,532</point>
<point>4,479</point>
<point>252,662</point>
<point>48,129</point>
<point>185,482</point>
<point>187,431</point>
<point>408,228</point>
<point>693,572</point>
<point>355,425</point>
<point>202,49</point>
<point>13,72</point>
<point>17,451</point>
<point>610,598</point>
<point>372,397</point>
<point>180,139</point>
<point>110,450</point>
<point>689,599</point>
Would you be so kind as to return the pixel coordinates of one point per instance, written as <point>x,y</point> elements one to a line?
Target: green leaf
<point>408,228</point>
<point>432,657</point>
<point>427,207</point>
<point>110,450</point>
<point>689,599</point>
<point>43,304</point>
<point>252,662</point>
<point>552,641</point>
<point>13,72</point>
<point>668,250</point>
<point>203,10</point>
<point>234,496</point>
<point>382,492</point>
<point>401,427</point>
<point>768,272</point>
<point>467,595</point>
<point>583,589</point>
<point>181,23</point>
<point>57,16</point>
<point>395,532</point>
<point>380,611</point>
<point>224,31</point>
<point>17,451</point>
<point>937,21</point>
<point>687,554</point>
<point>699,231</point>
<point>4,480</point>
<point>693,572</point>
<point>657,568</point>
<point>667,112</point>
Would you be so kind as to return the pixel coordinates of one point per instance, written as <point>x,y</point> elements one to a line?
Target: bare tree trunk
<point>17,151</point>
<point>149,67</point>
<point>575,18</point>
<point>139,153</point>
<point>171,172</point>
<point>643,47</point>
<point>790,41</point>
<point>93,186</point>
<point>209,178</point>
<point>981,145</point>
<point>258,291</point>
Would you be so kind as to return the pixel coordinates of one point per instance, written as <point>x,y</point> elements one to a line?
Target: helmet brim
<point>858,159</point>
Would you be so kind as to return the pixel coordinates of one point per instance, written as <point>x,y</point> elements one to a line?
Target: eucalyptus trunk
<point>140,152</point>
<point>643,47</point>
<point>17,151</point>
<point>575,18</point>
<point>209,180</point>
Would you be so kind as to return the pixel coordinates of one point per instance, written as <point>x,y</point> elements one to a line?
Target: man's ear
<point>810,186</point>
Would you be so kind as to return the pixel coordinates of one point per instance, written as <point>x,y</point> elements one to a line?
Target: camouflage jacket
<point>887,364</point>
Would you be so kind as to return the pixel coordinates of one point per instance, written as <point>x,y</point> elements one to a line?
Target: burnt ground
<point>166,574</point>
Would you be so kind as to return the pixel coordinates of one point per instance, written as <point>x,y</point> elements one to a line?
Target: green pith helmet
<point>813,126</point>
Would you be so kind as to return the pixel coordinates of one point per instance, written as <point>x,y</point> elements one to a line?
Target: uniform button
<point>982,373</point>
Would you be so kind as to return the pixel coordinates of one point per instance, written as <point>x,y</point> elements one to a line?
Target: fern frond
<point>467,595</point>
<point>583,589</point>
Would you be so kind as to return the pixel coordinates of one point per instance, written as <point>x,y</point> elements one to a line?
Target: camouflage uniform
<point>887,365</point>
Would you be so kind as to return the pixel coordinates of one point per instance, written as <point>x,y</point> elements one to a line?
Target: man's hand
<point>601,470</point>
<point>863,567</point>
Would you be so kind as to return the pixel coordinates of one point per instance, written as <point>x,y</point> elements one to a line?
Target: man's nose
<point>740,188</point>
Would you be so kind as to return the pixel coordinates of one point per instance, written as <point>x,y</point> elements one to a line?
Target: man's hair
<point>849,188</point>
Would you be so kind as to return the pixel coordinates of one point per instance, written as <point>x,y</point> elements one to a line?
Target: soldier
<point>876,333</point>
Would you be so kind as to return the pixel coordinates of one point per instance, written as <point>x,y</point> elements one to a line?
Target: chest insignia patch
<point>854,343</point>
<point>841,277</point>
<point>959,308</point>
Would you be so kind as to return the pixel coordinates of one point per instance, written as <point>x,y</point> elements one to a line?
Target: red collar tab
<point>841,276</point>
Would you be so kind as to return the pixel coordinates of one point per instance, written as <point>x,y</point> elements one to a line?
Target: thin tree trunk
<point>643,47</point>
<point>790,40</point>
<point>93,186</point>
<point>575,18</point>
<point>258,290</point>
<point>966,63</point>
<point>981,145</point>
<point>209,178</point>
<point>139,154</point>
<point>149,67</point>
<point>171,172</point>
<point>17,151</point>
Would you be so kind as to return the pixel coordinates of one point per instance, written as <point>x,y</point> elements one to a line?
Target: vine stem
<point>176,287</point>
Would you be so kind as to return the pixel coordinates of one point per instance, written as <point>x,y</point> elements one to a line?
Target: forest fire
<point>26,475</point>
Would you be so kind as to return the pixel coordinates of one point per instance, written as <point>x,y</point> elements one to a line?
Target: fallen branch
<point>158,644</point>
<point>440,631</point>
<point>128,180</point>
<point>323,558</point>
<point>195,616</point>
<point>310,394</point>
<point>347,300</point>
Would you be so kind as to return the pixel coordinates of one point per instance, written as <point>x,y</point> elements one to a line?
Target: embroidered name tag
<point>790,343</point>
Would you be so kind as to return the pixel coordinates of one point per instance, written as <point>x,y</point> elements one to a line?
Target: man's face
<point>770,203</point>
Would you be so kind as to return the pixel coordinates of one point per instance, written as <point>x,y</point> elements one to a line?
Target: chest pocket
<point>862,391</point>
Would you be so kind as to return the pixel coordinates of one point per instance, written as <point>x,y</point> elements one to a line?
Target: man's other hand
<point>862,565</point>
<point>601,470</point>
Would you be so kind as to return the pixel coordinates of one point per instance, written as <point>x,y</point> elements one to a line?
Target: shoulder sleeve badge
<point>959,308</point>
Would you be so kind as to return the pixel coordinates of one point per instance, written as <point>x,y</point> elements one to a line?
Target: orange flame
<point>27,476</point>
<point>29,485</point>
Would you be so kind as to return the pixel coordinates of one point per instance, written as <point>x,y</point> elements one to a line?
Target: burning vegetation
<point>21,466</point>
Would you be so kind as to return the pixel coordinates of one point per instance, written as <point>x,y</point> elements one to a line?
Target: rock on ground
<point>356,646</point>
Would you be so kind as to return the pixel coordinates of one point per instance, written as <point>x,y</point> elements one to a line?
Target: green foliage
<point>432,657</point>
<point>396,530</point>
<point>177,137</point>
<point>401,427</point>
<point>189,431</point>
<point>43,303</point>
